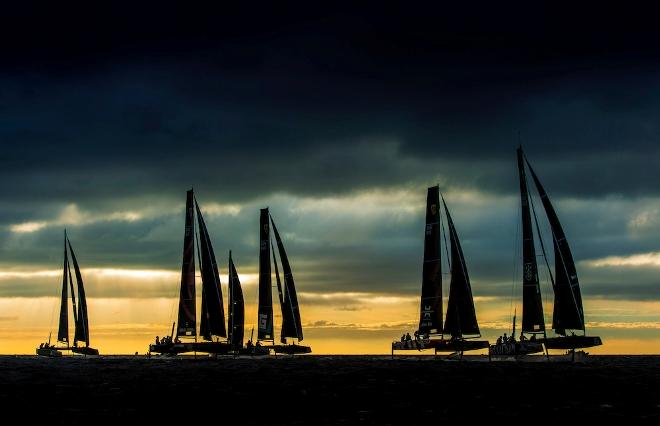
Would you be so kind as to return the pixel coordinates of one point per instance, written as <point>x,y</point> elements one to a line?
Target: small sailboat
<point>212,320</point>
<point>568,313</point>
<point>80,316</point>
<point>286,290</point>
<point>460,325</point>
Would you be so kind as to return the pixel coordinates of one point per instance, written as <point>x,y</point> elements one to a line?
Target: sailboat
<point>80,316</point>
<point>568,313</point>
<point>212,320</point>
<point>460,324</point>
<point>533,322</point>
<point>286,290</point>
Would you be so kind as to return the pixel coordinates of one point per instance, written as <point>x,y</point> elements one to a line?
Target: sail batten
<point>431,300</point>
<point>461,316</point>
<point>236,308</point>
<point>533,321</point>
<point>213,315</point>
<point>186,326</point>
<point>291,323</point>
<point>568,311</point>
<point>265,310</point>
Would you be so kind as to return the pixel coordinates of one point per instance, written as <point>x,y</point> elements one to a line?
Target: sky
<point>337,117</point>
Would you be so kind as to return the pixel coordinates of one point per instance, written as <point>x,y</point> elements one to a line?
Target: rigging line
<point>538,233</point>
<point>517,260</point>
<point>205,308</point>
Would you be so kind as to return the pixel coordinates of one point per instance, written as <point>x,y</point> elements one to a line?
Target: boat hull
<point>440,345</point>
<point>571,342</point>
<point>216,348</point>
<point>515,348</point>
<point>291,349</point>
<point>49,352</point>
<point>85,350</point>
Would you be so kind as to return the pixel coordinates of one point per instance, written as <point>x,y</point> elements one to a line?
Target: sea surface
<point>124,390</point>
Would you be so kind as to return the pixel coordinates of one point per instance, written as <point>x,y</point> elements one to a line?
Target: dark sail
<point>213,319</point>
<point>73,295</point>
<point>63,331</point>
<point>186,319</point>
<point>82,322</point>
<point>533,321</point>
<point>461,317</point>
<point>236,308</point>
<point>265,313</point>
<point>430,320</point>
<point>291,324</point>
<point>567,313</point>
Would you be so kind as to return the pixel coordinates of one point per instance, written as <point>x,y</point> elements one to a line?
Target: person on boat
<point>157,341</point>
<point>416,335</point>
<point>258,344</point>
<point>403,338</point>
<point>505,339</point>
<point>249,344</point>
<point>533,338</point>
<point>41,346</point>
<point>522,337</point>
<point>499,340</point>
<point>408,338</point>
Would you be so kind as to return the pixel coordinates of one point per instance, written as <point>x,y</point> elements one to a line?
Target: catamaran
<point>212,321</point>
<point>460,325</point>
<point>80,317</point>
<point>291,323</point>
<point>568,313</point>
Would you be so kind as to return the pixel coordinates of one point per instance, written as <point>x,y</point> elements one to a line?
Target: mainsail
<point>186,319</point>
<point>286,312</point>
<point>568,312</point>
<point>291,324</point>
<point>236,307</point>
<point>212,322</point>
<point>461,317</point>
<point>265,312</point>
<point>82,322</point>
<point>63,331</point>
<point>533,321</point>
<point>431,304</point>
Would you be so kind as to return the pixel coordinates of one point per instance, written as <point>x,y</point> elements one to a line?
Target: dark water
<point>327,390</point>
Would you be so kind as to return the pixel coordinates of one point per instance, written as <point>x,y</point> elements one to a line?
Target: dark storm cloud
<point>125,107</point>
<point>151,99</point>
